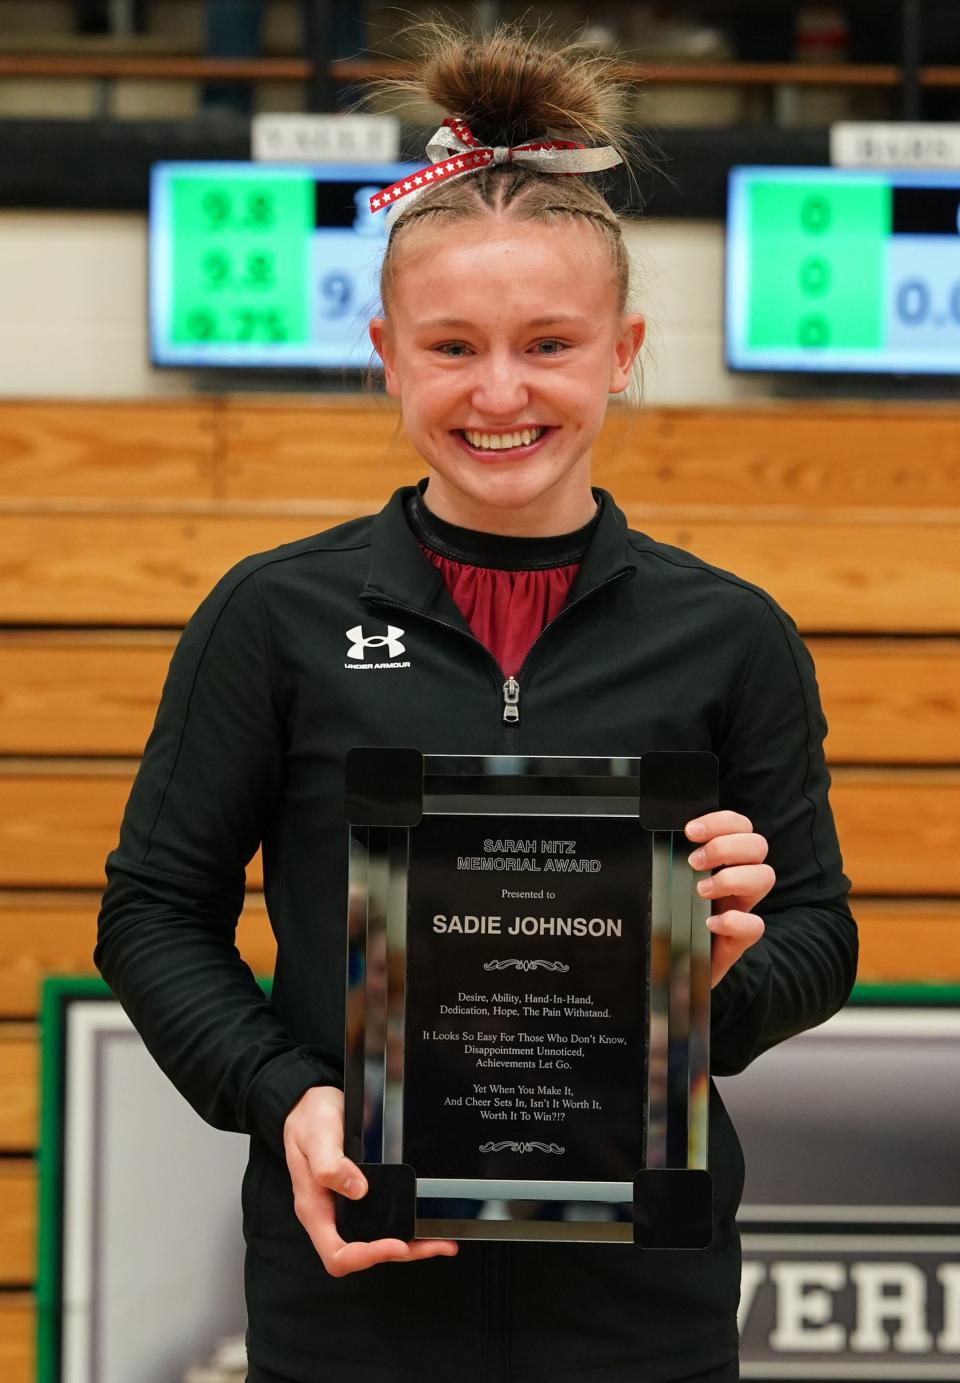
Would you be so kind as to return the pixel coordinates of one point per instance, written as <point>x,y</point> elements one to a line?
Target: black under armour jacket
<point>654,649</point>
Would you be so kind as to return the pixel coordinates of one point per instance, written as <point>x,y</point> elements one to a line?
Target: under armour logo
<point>390,641</point>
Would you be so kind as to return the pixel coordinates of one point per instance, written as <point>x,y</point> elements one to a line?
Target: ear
<point>625,348</point>
<point>382,339</point>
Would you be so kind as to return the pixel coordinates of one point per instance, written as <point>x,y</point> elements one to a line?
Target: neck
<point>544,517</point>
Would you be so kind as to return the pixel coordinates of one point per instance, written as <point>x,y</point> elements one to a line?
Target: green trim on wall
<point>56,989</point>
<point>914,993</point>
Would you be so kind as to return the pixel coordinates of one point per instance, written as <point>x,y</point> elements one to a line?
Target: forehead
<point>479,268</point>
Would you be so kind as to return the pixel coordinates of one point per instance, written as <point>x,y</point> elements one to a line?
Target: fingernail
<point>355,1187</point>
<point>696,859</point>
<point>704,886</point>
<point>695,829</point>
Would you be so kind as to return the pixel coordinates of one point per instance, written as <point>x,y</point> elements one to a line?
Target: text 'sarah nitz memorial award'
<point>528,998</point>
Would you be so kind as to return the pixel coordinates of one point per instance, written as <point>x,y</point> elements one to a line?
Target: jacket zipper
<point>511,701</point>
<point>510,689</point>
<point>432,619</point>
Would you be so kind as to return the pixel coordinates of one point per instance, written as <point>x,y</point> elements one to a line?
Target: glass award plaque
<point>528,998</point>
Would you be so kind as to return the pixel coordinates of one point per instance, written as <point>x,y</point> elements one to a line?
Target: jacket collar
<point>400,572</point>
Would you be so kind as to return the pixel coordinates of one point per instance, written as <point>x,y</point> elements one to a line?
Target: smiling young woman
<point>511,609</point>
<point>539,342</point>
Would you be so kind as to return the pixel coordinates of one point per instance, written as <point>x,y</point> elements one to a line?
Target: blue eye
<point>562,345</point>
<point>446,346</point>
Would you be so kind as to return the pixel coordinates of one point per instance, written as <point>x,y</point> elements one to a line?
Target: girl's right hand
<point>313,1143</point>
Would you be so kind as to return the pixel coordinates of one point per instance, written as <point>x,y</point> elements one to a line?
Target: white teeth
<point>495,441</point>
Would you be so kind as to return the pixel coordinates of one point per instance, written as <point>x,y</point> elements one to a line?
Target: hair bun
<point>511,86</point>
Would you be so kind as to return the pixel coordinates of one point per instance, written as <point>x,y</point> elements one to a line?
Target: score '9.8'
<point>258,271</point>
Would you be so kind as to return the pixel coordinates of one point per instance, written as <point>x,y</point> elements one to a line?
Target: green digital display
<point>265,265</point>
<point>239,258</point>
<point>816,256</point>
<point>829,269</point>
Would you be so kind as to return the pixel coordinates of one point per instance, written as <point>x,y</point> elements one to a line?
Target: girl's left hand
<point>728,843</point>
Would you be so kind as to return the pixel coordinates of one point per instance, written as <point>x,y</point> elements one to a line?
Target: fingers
<point>744,927</point>
<point>703,828</point>
<point>328,1166</point>
<point>733,934</point>
<point>745,848</point>
<point>316,1139</point>
<point>314,1206</point>
<point>352,1258</point>
<point>745,882</point>
<point>318,1167</point>
<point>737,852</point>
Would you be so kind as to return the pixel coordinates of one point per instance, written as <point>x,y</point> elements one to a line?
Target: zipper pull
<point>511,699</point>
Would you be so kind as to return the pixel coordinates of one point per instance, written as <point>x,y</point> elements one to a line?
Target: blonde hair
<point>510,86</point>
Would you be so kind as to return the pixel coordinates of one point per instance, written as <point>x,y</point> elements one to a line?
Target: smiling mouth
<point>502,441</point>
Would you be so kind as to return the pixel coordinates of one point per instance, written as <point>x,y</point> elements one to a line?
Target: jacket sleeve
<point>772,769</point>
<point>206,791</point>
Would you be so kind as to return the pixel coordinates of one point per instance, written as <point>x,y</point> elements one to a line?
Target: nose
<point>500,390</point>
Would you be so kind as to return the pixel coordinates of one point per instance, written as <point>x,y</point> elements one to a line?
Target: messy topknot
<point>511,86</point>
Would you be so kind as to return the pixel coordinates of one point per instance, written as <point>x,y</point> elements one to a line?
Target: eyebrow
<point>550,320</point>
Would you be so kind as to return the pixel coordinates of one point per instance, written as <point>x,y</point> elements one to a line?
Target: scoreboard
<point>264,265</point>
<point>833,270</point>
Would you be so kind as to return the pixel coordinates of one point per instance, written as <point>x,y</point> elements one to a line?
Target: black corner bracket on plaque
<point>676,785</point>
<point>387,1211</point>
<point>383,787</point>
<point>672,1208</point>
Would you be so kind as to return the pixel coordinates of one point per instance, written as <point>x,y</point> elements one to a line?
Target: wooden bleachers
<point>117,518</point>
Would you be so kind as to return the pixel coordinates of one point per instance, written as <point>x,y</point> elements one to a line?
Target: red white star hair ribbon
<point>455,152</point>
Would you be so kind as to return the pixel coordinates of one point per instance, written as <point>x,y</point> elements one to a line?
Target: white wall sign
<point>851,1211</point>
<point>900,145</point>
<point>151,1245</point>
<point>295,138</point>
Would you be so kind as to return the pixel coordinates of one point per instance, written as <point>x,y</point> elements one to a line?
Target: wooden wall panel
<point>329,450</point>
<point>782,456</point>
<point>134,568</point>
<point>82,692</point>
<point>18,1325</point>
<point>350,447</point>
<point>18,1221</point>
<point>147,449</point>
<point>839,577</point>
<point>900,829</point>
<point>890,701</point>
<point>19,1087</point>
<point>154,569</point>
<point>49,933</point>
<point>95,692</point>
<point>912,941</point>
<point>57,827</point>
